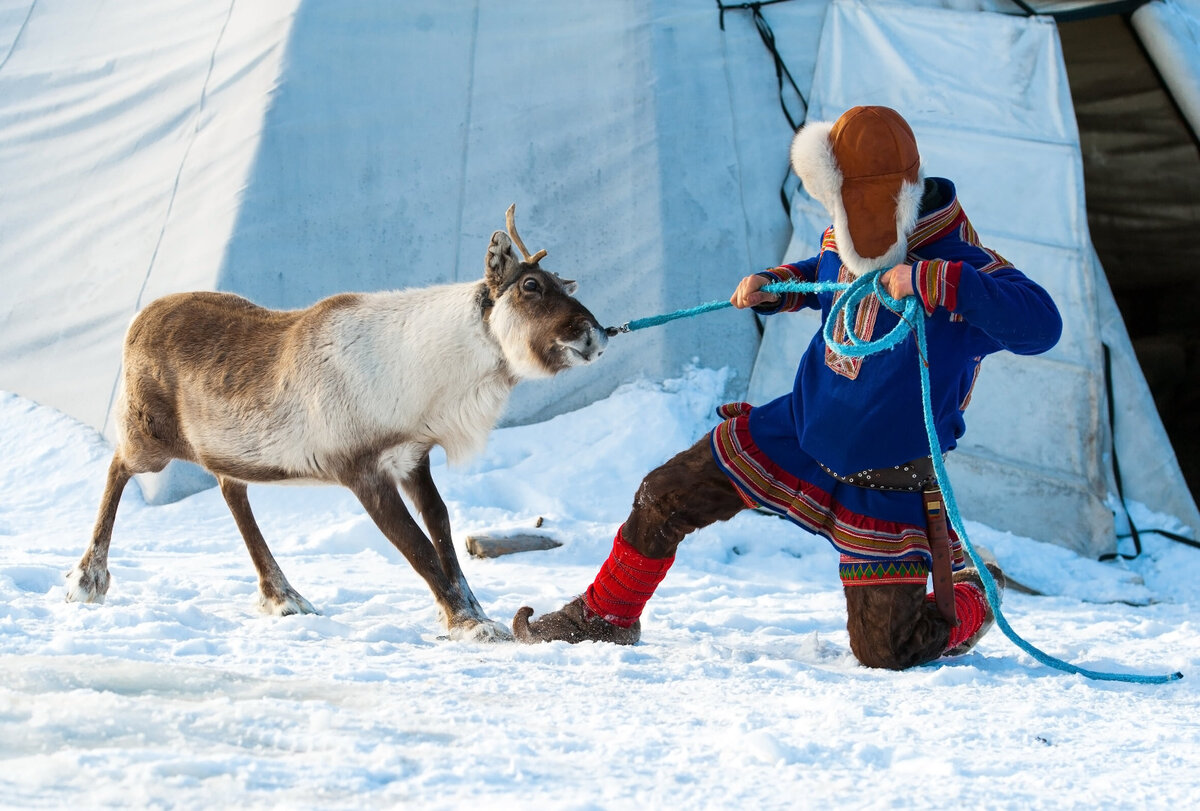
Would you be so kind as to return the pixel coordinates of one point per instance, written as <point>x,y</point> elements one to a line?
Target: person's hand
<point>898,281</point>
<point>748,293</point>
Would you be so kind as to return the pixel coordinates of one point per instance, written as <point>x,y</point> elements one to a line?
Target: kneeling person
<point>845,453</point>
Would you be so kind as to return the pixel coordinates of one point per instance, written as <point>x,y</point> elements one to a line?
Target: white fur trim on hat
<point>813,162</point>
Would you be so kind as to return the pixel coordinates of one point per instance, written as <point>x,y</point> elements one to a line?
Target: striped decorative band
<point>861,572</point>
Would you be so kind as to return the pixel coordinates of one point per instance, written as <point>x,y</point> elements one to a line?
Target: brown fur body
<point>354,390</point>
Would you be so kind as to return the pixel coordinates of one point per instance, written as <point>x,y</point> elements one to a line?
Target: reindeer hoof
<point>87,585</point>
<point>285,604</point>
<point>480,630</point>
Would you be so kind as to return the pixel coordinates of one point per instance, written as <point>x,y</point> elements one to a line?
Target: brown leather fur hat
<point>866,170</point>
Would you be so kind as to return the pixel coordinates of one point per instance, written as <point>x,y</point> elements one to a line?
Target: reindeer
<point>355,390</point>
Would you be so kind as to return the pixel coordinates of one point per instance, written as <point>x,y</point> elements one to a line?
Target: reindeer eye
<point>531,285</point>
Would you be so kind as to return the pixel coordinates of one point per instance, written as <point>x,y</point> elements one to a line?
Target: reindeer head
<point>541,328</point>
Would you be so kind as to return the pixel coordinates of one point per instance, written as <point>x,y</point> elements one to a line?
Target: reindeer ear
<point>502,263</point>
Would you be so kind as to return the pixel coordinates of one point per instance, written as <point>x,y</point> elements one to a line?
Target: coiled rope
<point>911,320</point>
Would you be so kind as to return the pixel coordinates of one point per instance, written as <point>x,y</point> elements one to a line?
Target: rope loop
<point>845,309</point>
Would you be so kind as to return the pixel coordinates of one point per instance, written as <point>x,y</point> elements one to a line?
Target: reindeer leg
<point>276,595</point>
<point>382,501</point>
<point>88,581</point>
<point>419,487</point>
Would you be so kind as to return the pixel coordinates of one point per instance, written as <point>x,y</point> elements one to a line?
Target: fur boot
<point>574,622</point>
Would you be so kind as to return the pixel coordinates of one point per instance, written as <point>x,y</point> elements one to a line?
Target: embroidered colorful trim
<point>766,484</point>
<point>864,327</point>
<point>730,410</point>
<point>828,240</point>
<point>860,572</point>
<point>936,224</point>
<point>936,282</point>
<point>966,232</point>
<point>788,302</point>
<point>971,389</point>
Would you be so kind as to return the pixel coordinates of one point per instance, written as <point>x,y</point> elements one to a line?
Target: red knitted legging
<point>625,583</point>
<point>970,606</point>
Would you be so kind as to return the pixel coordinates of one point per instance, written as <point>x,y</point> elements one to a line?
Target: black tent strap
<point>744,7</point>
<point>768,37</point>
<point>1112,432</point>
<point>1174,536</point>
<point>781,74</point>
<point>1133,533</point>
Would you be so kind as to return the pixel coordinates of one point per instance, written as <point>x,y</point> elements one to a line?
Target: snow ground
<point>743,693</point>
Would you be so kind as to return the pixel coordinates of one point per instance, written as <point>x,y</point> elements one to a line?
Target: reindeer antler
<point>512,232</point>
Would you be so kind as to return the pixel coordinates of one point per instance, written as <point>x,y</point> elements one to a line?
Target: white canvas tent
<point>289,150</point>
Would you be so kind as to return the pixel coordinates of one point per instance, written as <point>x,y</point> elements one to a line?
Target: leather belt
<point>939,547</point>
<point>911,477</point>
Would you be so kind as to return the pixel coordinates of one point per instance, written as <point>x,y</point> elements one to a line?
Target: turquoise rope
<point>708,307</point>
<point>655,320</point>
<point>911,319</point>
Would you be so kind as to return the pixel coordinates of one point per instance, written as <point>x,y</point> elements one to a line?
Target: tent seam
<point>733,125</point>
<point>137,305</point>
<point>20,33</point>
<point>462,175</point>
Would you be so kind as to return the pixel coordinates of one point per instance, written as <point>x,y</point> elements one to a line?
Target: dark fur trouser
<point>891,625</point>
